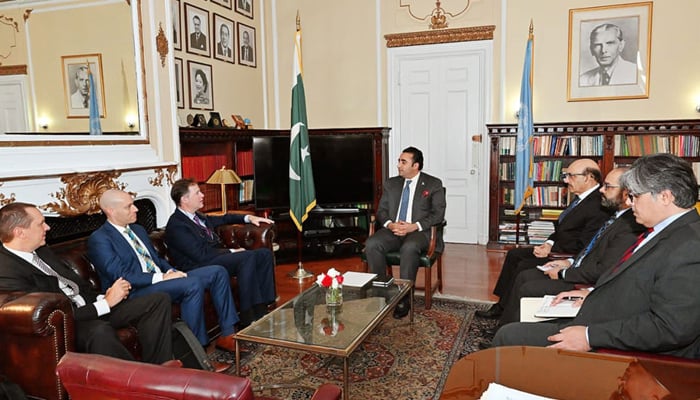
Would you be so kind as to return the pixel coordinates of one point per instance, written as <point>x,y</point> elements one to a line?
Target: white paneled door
<point>13,111</point>
<point>440,97</point>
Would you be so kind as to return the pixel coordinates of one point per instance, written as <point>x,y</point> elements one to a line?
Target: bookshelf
<point>556,145</point>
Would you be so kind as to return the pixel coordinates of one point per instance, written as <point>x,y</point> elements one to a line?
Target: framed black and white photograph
<point>223,3</point>
<point>223,39</point>
<point>244,7</point>
<point>197,23</point>
<point>246,45</point>
<point>609,52</point>
<point>179,84</point>
<point>177,27</point>
<point>201,86</point>
<point>76,84</point>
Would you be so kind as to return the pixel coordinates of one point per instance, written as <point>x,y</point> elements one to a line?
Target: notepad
<point>565,309</point>
<point>357,279</point>
<point>544,268</point>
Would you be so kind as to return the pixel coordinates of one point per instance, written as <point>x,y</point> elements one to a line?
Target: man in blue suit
<point>192,243</point>
<point>121,249</point>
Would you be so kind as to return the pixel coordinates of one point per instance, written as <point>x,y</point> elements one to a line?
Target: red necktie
<point>630,251</point>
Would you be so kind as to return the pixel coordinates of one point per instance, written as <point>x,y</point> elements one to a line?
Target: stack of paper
<point>357,279</point>
<point>500,392</point>
<point>565,309</point>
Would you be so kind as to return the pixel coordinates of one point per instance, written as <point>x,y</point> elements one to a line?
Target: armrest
<point>247,236</point>
<point>327,391</point>
<point>33,313</point>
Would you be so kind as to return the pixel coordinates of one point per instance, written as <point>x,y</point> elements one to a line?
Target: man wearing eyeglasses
<point>648,301</point>
<point>576,226</point>
<point>600,254</point>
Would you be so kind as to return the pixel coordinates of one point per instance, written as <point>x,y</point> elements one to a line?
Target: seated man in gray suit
<point>648,301</point>
<point>411,203</point>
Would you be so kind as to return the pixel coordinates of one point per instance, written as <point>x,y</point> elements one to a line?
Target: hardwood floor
<point>469,272</point>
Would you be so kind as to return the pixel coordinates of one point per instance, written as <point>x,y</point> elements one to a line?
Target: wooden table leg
<point>238,357</point>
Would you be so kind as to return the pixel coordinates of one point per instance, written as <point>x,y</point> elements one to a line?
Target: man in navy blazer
<point>116,254</point>
<point>193,243</point>
<point>648,301</point>
<point>23,236</point>
<point>409,234</point>
<point>575,228</point>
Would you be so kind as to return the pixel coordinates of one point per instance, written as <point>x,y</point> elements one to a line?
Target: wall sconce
<point>131,121</point>
<point>43,122</point>
<point>697,108</point>
<point>224,177</point>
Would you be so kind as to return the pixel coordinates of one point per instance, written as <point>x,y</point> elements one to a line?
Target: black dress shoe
<point>494,312</point>
<point>402,309</point>
<point>485,344</point>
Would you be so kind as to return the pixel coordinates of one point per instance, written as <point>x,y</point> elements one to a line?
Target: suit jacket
<point>189,245</point>
<point>609,248</point>
<point>16,274</point>
<point>428,202</point>
<point>625,73</point>
<point>577,228</point>
<point>199,44</point>
<point>113,256</point>
<point>247,53</point>
<point>651,302</point>
<point>220,50</point>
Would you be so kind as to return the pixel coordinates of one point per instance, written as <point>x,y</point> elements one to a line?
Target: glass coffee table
<point>306,323</point>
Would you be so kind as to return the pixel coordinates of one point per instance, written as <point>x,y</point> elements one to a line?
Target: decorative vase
<point>334,296</point>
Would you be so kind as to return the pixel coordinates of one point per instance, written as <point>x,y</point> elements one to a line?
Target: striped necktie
<point>203,225</point>
<point>145,255</point>
<point>584,253</point>
<point>71,288</point>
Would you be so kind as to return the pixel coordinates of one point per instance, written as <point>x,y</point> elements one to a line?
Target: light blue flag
<point>523,149</point>
<point>95,127</point>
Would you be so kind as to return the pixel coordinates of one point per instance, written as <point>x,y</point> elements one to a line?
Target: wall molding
<point>469,34</point>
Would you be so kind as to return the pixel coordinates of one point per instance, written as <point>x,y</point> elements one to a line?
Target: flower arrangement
<point>333,282</point>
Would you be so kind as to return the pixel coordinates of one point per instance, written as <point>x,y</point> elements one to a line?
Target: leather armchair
<point>96,377</point>
<point>37,329</point>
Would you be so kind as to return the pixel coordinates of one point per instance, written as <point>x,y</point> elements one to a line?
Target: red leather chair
<point>97,377</point>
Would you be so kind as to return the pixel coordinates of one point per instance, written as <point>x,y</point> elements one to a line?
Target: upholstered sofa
<point>36,329</point>
<point>96,377</point>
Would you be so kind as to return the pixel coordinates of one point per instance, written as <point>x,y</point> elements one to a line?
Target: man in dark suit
<point>28,265</point>
<point>246,48</point>
<point>223,48</point>
<point>576,226</point>
<point>600,254</point>
<point>649,300</point>
<point>121,248</point>
<point>192,243</point>
<point>244,5</point>
<point>411,203</point>
<point>198,40</point>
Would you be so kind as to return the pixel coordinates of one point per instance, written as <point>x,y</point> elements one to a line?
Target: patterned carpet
<point>397,361</point>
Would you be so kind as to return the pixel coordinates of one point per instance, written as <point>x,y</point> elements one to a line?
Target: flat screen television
<point>343,167</point>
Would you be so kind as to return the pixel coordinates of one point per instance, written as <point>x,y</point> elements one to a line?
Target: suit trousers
<point>409,247</point>
<point>517,260</point>
<point>255,272</point>
<point>527,333</point>
<point>151,315</point>
<point>189,293</point>
<point>530,283</point>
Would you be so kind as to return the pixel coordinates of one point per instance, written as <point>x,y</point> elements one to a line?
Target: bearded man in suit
<point>576,226</point>
<point>648,301</point>
<point>405,220</point>
<point>28,265</point>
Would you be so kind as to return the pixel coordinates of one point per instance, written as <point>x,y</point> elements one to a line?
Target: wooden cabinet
<point>556,145</point>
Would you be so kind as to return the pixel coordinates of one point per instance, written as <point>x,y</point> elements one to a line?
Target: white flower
<point>333,273</point>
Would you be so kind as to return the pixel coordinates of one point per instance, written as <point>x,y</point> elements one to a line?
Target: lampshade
<point>224,176</point>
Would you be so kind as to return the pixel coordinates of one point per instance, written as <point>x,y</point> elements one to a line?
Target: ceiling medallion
<point>438,15</point>
<point>82,192</point>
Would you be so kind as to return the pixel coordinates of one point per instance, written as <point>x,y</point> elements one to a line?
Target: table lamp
<point>224,177</point>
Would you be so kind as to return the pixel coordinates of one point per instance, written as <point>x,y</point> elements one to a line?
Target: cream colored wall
<point>341,63</point>
<point>237,88</point>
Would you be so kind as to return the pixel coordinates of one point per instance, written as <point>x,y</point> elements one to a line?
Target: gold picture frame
<point>76,87</point>
<point>609,52</point>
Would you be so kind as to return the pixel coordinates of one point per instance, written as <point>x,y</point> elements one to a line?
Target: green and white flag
<point>302,193</point>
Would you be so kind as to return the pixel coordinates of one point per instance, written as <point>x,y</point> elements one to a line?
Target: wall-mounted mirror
<point>61,42</point>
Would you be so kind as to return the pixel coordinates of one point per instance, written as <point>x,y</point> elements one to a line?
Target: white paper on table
<point>357,279</point>
<point>496,391</point>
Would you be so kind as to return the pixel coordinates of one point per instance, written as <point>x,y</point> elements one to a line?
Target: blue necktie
<point>403,209</point>
<point>569,208</point>
<point>584,253</point>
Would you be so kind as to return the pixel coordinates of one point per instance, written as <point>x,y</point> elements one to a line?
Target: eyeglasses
<point>570,175</point>
<point>633,196</point>
<point>609,186</point>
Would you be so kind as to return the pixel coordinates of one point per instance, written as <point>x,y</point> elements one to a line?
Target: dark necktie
<point>569,208</point>
<point>85,101</point>
<point>605,78</point>
<point>150,264</point>
<point>72,290</point>
<point>584,253</point>
<point>630,251</point>
<point>202,225</point>
<point>403,209</point>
